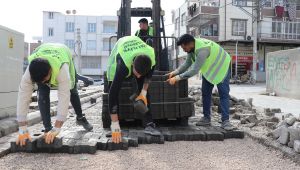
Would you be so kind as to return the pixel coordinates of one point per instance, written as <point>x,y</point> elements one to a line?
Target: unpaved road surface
<point>229,154</point>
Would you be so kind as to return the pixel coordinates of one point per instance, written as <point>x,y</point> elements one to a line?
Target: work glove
<point>143,97</point>
<point>50,136</point>
<point>115,132</point>
<point>23,136</point>
<point>173,80</point>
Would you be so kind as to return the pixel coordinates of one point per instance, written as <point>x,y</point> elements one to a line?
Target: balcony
<point>279,32</point>
<point>202,8</point>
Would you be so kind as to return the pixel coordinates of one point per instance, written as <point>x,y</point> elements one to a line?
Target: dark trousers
<point>223,89</point>
<point>44,104</point>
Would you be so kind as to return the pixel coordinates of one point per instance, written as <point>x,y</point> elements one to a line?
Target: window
<point>266,3</point>
<point>106,44</point>
<point>91,62</point>
<point>69,26</point>
<point>183,19</point>
<point>239,27</point>
<point>176,23</point>
<point>298,7</point>
<point>50,32</point>
<point>91,45</point>
<point>50,15</point>
<point>70,43</point>
<point>91,27</point>
<point>109,28</point>
<point>240,2</point>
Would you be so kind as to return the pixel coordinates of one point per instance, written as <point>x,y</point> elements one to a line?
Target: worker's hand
<point>116,135</point>
<point>143,97</point>
<point>171,74</point>
<point>173,80</point>
<point>23,136</point>
<point>50,136</point>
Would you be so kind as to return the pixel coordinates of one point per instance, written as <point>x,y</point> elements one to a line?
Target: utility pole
<point>78,51</point>
<point>254,31</point>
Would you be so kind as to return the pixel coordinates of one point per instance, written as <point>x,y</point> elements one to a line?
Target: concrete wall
<point>283,73</point>
<point>11,69</point>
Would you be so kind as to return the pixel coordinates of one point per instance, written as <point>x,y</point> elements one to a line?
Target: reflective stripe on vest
<point>216,66</point>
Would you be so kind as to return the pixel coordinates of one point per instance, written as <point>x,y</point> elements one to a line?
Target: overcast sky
<point>26,15</point>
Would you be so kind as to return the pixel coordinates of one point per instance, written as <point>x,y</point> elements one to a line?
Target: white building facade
<point>95,33</point>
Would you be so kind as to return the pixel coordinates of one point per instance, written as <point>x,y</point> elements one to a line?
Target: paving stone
<point>212,134</point>
<point>183,134</point>
<point>252,118</point>
<point>272,119</point>
<point>296,125</point>
<point>30,147</point>
<point>57,143</point>
<point>297,146</point>
<point>132,142</point>
<point>237,134</point>
<point>284,136</point>
<point>276,133</point>
<point>276,110</point>
<point>117,146</point>
<point>271,125</point>
<point>291,120</point>
<point>294,135</point>
<point>102,143</point>
<point>85,146</point>
<point>144,138</point>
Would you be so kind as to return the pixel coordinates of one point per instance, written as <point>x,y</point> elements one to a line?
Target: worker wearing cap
<point>145,32</point>
<point>213,62</point>
<point>50,65</point>
<point>130,57</point>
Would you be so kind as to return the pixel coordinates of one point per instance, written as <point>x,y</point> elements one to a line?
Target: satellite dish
<point>73,11</point>
<point>68,11</point>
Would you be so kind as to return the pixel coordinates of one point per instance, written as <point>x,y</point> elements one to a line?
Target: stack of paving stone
<point>287,132</point>
<point>167,101</point>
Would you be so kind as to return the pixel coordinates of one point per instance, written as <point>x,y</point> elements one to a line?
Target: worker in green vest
<point>145,32</point>
<point>212,61</point>
<point>50,65</point>
<point>130,56</point>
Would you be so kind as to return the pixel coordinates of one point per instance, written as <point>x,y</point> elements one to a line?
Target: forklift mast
<point>124,28</point>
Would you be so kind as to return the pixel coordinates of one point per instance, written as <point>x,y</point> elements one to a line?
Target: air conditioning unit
<point>248,37</point>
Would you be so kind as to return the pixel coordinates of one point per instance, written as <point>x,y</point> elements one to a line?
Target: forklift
<point>168,103</point>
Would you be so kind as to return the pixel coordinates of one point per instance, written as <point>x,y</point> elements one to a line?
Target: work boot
<point>151,130</point>
<point>83,122</point>
<point>203,122</point>
<point>227,125</point>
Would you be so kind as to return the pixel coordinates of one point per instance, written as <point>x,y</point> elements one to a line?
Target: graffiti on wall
<point>282,73</point>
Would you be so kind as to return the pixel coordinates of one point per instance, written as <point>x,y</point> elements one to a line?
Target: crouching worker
<point>50,65</point>
<point>130,56</point>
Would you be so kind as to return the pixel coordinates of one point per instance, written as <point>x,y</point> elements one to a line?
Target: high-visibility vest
<point>128,48</point>
<point>216,65</point>
<point>150,31</point>
<point>56,55</point>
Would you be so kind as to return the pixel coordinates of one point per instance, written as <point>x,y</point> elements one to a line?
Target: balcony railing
<point>279,36</point>
<point>202,8</point>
